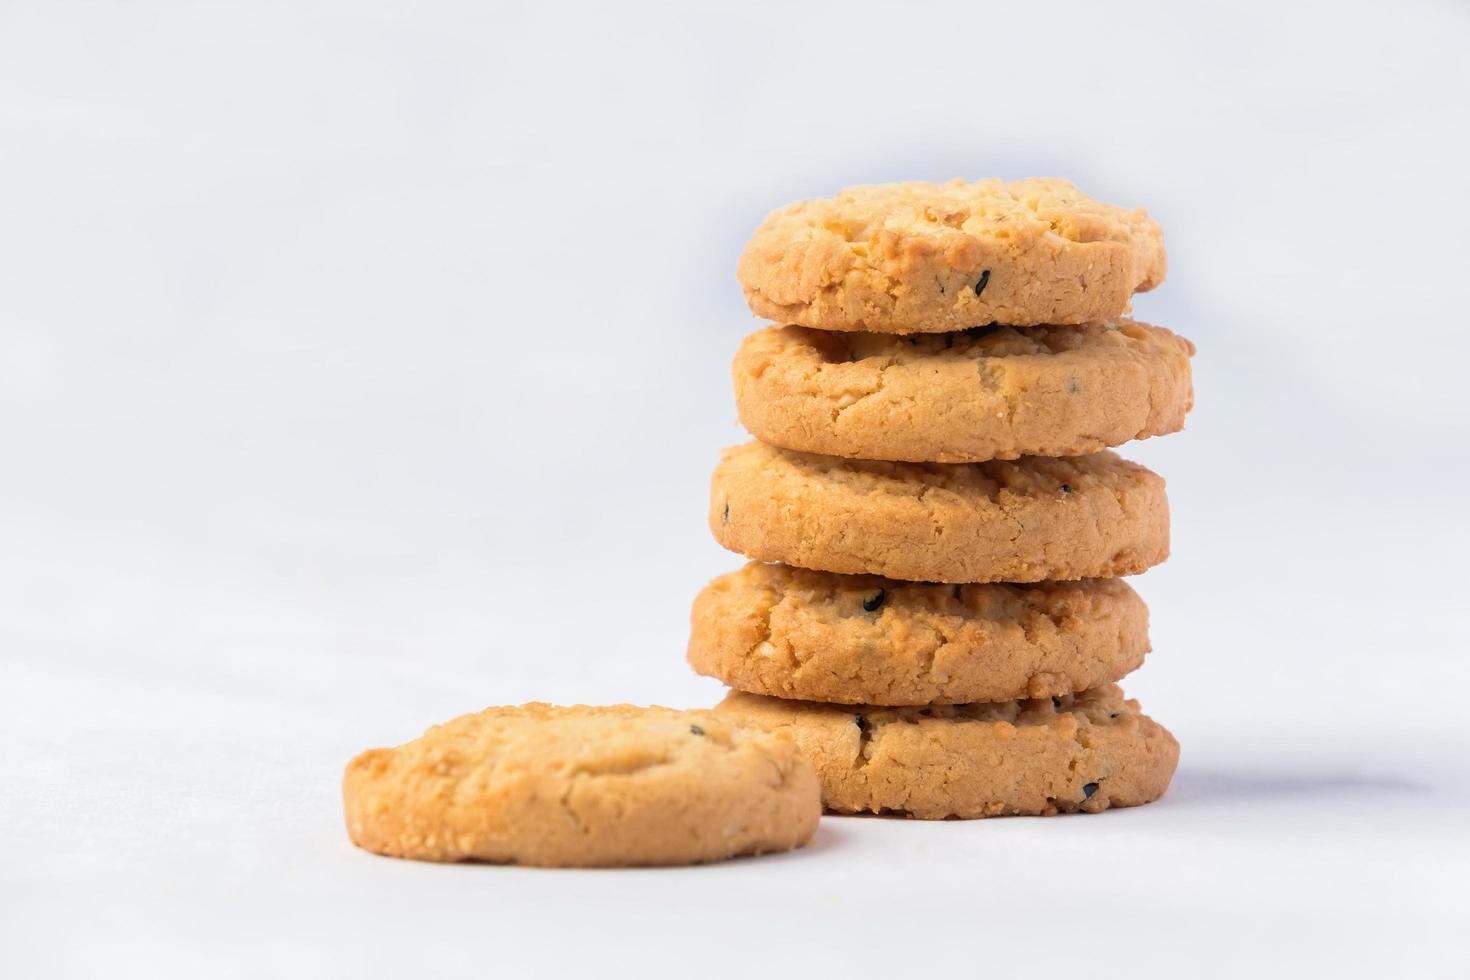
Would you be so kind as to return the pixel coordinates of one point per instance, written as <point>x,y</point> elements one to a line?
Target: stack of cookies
<point>933,609</point>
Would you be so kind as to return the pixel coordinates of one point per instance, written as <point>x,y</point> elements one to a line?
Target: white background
<point>364,365</point>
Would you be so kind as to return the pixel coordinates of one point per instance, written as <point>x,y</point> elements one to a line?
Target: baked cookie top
<point>926,257</point>
<point>1099,707</point>
<point>862,639</point>
<point>1025,520</point>
<point>986,393</point>
<point>1083,752</point>
<point>582,786</point>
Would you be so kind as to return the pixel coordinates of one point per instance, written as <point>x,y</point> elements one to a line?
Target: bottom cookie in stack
<point>1076,753</point>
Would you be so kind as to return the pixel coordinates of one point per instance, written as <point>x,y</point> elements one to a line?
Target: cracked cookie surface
<point>988,393</point>
<point>861,639</point>
<point>1026,520</point>
<point>1082,753</point>
<point>927,257</point>
<point>583,787</point>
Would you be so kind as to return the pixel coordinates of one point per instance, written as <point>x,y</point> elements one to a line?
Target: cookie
<point>1084,752</point>
<point>925,258</point>
<point>583,786</point>
<point>988,393</point>
<point>1026,520</point>
<point>860,639</point>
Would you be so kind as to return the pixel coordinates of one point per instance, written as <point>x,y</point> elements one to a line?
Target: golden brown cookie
<point>988,393</point>
<point>860,639</point>
<point>925,258</point>
<point>582,787</point>
<point>1023,521</point>
<point>1076,753</point>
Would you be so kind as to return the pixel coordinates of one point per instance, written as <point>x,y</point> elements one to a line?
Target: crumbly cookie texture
<point>583,787</point>
<point>1082,753</point>
<point>1026,520</point>
<point>924,257</point>
<point>860,639</point>
<point>988,393</point>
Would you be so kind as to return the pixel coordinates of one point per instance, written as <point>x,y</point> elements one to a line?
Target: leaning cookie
<point>583,787</point>
<point>924,258</point>
<point>988,393</point>
<point>1023,521</point>
<point>1084,753</point>
<point>860,639</point>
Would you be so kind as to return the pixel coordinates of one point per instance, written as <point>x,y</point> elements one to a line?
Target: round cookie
<point>926,258</point>
<point>1084,752</point>
<point>860,639</point>
<point>582,787</point>
<point>1027,520</point>
<point>987,393</point>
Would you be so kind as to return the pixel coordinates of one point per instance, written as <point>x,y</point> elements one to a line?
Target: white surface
<point>361,367</point>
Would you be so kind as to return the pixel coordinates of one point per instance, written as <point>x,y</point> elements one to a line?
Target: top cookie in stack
<point>929,258</point>
<point>950,365</point>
